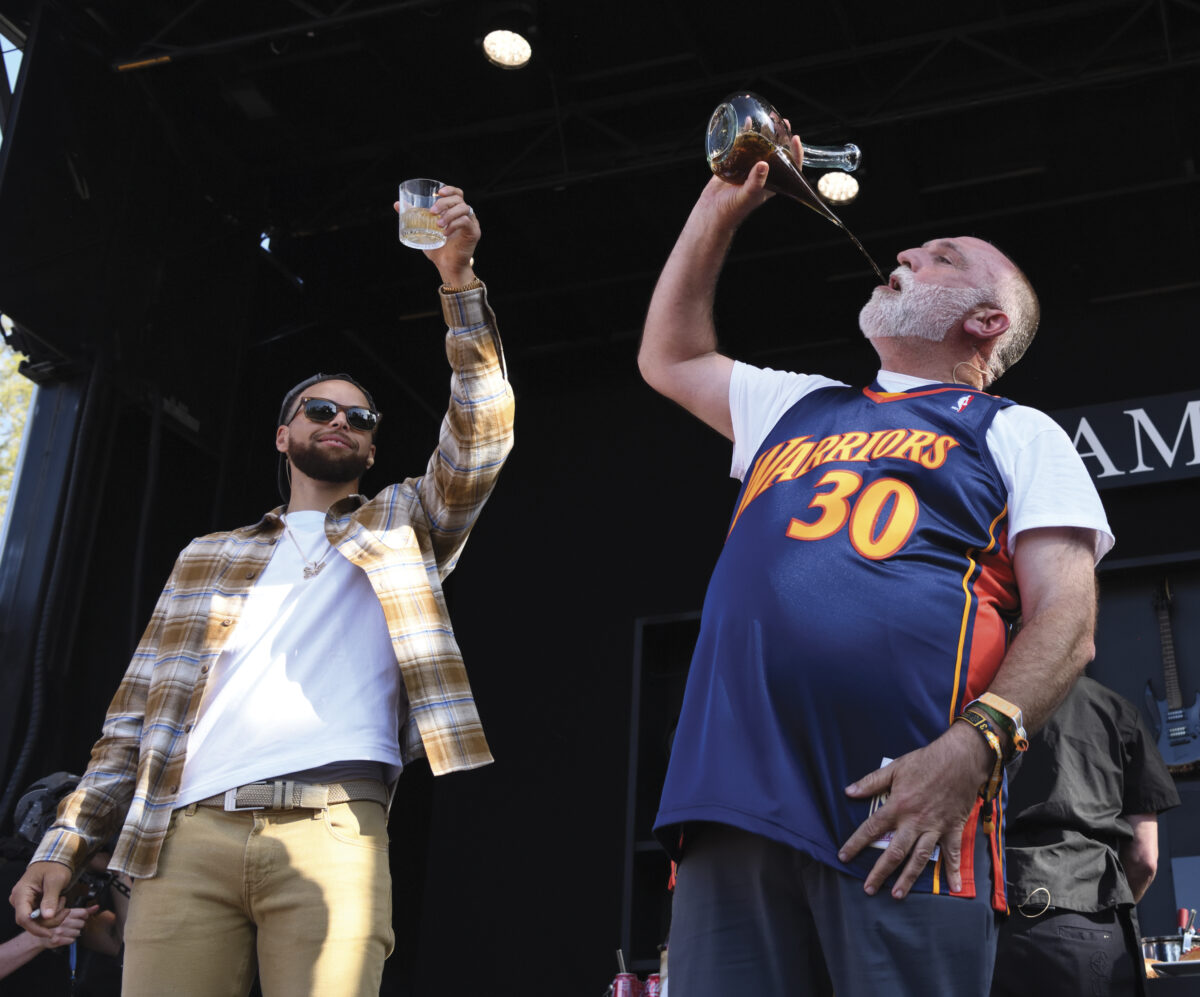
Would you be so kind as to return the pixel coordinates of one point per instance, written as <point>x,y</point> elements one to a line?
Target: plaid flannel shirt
<point>407,539</point>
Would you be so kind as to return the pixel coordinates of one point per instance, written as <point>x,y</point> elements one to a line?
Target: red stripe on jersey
<point>985,602</point>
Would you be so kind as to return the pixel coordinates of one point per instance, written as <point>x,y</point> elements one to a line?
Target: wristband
<point>1018,742</point>
<point>980,720</point>
<point>988,790</point>
<point>1009,715</point>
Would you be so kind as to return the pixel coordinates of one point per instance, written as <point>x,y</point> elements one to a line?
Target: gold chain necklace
<point>311,568</point>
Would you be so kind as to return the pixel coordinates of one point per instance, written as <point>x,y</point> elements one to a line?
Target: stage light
<point>838,187</point>
<point>506,33</point>
<point>506,49</point>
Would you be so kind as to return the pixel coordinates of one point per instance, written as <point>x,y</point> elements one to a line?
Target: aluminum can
<point>626,985</point>
<point>652,988</point>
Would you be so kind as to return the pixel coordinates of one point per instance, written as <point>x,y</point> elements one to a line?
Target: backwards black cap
<point>287,413</point>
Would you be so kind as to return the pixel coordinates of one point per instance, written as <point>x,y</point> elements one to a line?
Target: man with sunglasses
<point>289,671</point>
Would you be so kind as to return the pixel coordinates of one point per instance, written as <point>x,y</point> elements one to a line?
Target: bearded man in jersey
<point>837,829</point>
<point>290,669</point>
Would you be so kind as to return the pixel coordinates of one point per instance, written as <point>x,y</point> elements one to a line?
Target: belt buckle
<point>231,801</point>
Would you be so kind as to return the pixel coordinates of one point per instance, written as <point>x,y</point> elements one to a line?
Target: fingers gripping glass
<point>323,410</point>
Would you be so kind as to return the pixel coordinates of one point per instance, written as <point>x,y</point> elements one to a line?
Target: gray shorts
<point>753,916</point>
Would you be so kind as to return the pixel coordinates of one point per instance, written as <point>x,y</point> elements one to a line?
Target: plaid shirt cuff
<point>62,846</point>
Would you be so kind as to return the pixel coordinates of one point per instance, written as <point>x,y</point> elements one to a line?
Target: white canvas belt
<point>287,794</point>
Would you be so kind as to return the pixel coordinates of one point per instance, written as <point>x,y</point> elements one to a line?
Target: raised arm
<point>477,430</point>
<point>678,356</point>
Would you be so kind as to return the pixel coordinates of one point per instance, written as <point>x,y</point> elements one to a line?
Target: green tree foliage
<point>15,393</point>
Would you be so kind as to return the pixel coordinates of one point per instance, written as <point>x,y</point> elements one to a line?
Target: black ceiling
<point>1066,132</point>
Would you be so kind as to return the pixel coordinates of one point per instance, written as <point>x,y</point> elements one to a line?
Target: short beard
<point>332,468</point>
<point>919,311</point>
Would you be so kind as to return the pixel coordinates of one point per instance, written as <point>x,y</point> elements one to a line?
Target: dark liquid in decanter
<point>784,177</point>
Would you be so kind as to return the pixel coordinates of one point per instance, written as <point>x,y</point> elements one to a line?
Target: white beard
<point>919,311</point>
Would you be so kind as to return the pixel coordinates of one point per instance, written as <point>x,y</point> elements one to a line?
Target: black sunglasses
<point>323,410</point>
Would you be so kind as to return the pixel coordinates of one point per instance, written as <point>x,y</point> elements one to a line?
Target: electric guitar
<point>1177,729</point>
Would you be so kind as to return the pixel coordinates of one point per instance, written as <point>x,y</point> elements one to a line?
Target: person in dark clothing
<point>1082,849</point>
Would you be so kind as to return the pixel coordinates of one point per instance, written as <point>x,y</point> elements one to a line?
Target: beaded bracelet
<point>471,285</point>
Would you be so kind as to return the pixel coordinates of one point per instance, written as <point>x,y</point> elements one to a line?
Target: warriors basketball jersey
<point>863,595</point>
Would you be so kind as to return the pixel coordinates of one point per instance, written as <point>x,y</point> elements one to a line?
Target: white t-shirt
<point>308,678</point>
<point>1047,482</point>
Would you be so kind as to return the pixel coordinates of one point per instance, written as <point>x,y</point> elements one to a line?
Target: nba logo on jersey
<point>963,402</point>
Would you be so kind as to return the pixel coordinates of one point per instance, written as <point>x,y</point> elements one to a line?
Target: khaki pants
<point>303,897</point>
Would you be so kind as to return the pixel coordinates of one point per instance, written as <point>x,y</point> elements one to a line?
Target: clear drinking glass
<point>418,224</point>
